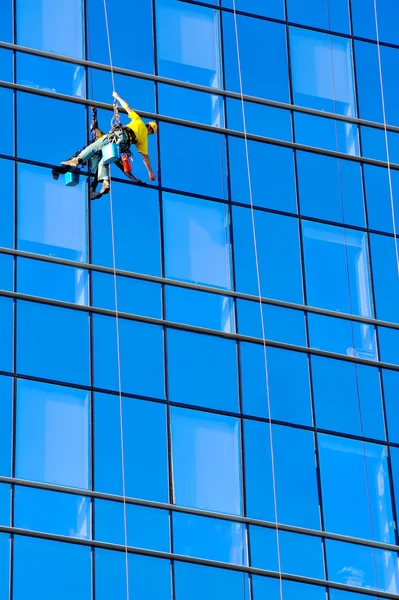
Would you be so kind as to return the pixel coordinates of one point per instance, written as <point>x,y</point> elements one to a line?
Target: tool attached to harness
<point>127,165</point>
<point>116,120</point>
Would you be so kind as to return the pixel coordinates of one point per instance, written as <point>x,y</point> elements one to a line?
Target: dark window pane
<point>278,254</point>
<point>146,527</point>
<point>149,578</point>
<point>42,566</point>
<point>5,425</point>
<point>52,436</point>
<point>51,75</point>
<point>144,435</point>
<point>139,356</point>
<point>355,488</point>
<point>52,512</point>
<point>51,216</point>
<point>202,370</point>
<point>7,203</point>
<point>206,460</point>
<point>294,468</point>
<point>7,335</point>
<point>347,397</point>
<point>53,342</point>
<point>212,539</point>
<point>289,396</point>
<point>195,582</point>
<point>197,241</point>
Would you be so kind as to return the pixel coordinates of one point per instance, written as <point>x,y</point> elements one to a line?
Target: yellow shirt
<point>140,130</point>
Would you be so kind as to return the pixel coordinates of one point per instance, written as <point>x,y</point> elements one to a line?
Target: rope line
<point>118,334</point>
<point>260,302</point>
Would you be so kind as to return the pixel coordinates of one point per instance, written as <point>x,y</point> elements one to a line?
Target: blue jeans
<point>89,152</point>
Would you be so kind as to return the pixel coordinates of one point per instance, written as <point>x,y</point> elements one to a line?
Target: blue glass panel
<point>385,276</point>
<point>52,435</point>
<point>213,539</point>
<point>206,460</point>
<point>260,120</point>
<point>6,123</point>
<point>195,582</point>
<point>4,565</point>
<point>6,272</point>
<point>51,216</point>
<point>138,347</point>
<point>294,468</point>
<point>197,241</point>
<point>341,336</point>
<point>136,223</point>
<point>364,19</point>
<point>360,470</point>
<point>145,527</point>
<point>330,189</point>
<point>52,281</point>
<point>51,75</point>
<point>299,554</point>
<point>7,203</point>
<point>278,254</point>
<point>347,397</point>
<point>361,566</point>
<point>5,425</point>
<point>291,590</point>
<point>280,324</point>
<point>134,296</point>
<point>200,309</point>
<point>138,93</point>
<point>374,144</point>
<point>6,25</point>
<point>379,183</point>
<point>136,52</point>
<point>6,62</point>
<point>149,578</point>
<point>42,566</point>
<point>389,345</point>
<point>40,25</point>
<point>323,14</point>
<point>326,133</point>
<point>260,77</point>
<point>53,342</point>
<point>202,370</point>
<point>144,436</point>
<point>7,335</point>
<point>394,461</point>
<point>272,8</point>
<point>390,380</point>
<point>289,396</point>
<point>49,110</point>
<point>188,43</point>
<point>52,512</point>
<point>272,175</point>
<point>5,505</point>
<point>191,105</point>
<point>202,170</point>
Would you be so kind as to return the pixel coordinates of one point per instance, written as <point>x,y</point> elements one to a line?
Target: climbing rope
<point>117,330</point>
<point>260,300</point>
<point>355,366</point>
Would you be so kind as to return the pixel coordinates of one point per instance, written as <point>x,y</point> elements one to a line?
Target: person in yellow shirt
<point>135,132</point>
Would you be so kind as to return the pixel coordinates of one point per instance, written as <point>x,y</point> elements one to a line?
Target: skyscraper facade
<point>199,376</point>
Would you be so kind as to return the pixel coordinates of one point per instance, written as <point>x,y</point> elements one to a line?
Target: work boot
<point>74,162</point>
<point>105,188</point>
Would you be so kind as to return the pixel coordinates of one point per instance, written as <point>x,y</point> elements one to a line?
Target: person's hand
<point>152,176</point>
<point>115,95</point>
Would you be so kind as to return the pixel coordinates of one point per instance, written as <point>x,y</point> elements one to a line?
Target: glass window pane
<point>139,356</point>
<point>294,468</point>
<point>7,334</point>
<point>53,75</point>
<point>272,8</point>
<point>5,425</point>
<point>278,255</point>
<point>197,241</point>
<point>6,124</point>
<point>279,324</point>
<point>191,105</point>
<point>7,272</point>
<point>390,380</point>
<point>53,342</point>
<point>51,216</point>
<point>42,566</point>
<point>144,435</point>
<point>289,396</point>
<point>7,203</point>
<point>337,269</point>
<point>146,527</point>
<point>385,277</point>
<point>378,184</point>
<point>389,347</point>
<point>136,221</point>
<point>6,25</point>
<point>53,434</point>
<point>264,587</point>
<point>4,565</point>
<point>206,460</point>
<point>149,578</point>
<point>195,582</point>
<point>200,309</point>
<point>360,470</point>
<point>52,512</point>
<point>5,506</point>
<point>322,14</point>
<point>140,93</point>
<point>364,22</point>
<point>347,397</point>
<point>202,370</point>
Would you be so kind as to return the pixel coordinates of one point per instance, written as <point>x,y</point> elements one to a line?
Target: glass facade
<point>199,376</point>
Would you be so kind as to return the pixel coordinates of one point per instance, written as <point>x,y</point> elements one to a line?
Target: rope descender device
<point>116,120</point>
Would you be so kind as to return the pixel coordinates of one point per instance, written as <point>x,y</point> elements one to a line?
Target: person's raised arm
<point>122,102</point>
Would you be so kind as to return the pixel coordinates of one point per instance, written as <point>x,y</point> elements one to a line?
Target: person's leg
<point>87,153</point>
<point>103,175</point>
